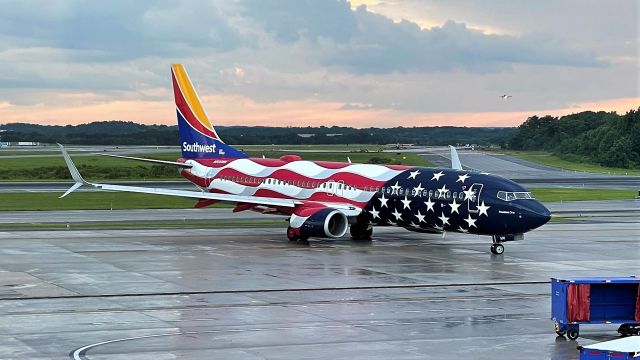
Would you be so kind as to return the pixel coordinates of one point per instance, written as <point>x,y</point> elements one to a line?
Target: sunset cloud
<point>234,110</point>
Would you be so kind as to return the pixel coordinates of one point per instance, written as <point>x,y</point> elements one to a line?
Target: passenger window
<point>430,193</point>
<point>425,193</point>
<point>448,194</point>
<point>436,194</point>
<point>455,195</point>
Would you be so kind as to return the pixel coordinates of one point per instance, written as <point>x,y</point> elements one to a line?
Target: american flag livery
<point>325,199</point>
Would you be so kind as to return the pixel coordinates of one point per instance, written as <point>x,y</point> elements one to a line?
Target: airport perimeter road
<point>62,186</point>
<point>567,208</point>
<point>79,216</point>
<point>15,152</point>
<point>250,294</point>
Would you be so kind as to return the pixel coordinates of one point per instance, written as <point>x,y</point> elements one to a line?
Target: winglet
<point>75,174</point>
<point>455,160</point>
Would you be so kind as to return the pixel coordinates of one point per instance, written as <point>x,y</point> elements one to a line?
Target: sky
<point>363,63</point>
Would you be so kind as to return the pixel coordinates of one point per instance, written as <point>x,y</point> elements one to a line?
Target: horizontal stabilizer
<point>155,161</point>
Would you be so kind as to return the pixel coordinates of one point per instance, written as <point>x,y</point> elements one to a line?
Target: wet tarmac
<point>250,294</point>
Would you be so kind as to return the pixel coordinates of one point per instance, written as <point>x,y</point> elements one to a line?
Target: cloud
<point>119,30</point>
<point>363,42</point>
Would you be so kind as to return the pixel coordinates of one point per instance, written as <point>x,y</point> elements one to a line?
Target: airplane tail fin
<point>198,138</point>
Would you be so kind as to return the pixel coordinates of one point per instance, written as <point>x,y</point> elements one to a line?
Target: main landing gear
<point>361,231</point>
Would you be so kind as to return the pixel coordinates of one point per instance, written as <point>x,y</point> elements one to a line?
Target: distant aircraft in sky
<point>505,97</point>
<point>326,199</point>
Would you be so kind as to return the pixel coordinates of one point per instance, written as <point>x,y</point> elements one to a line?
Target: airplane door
<point>331,186</point>
<point>335,188</point>
<point>474,201</point>
<point>341,188</point>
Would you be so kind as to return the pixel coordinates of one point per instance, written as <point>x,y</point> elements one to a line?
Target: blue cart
<point>599,300</point>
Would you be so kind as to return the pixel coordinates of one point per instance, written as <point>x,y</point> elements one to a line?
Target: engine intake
<point>327,223</point>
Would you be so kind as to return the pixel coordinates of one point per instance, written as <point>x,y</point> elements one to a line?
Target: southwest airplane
<point>325,199</point>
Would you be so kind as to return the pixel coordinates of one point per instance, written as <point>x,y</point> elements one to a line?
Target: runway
<point>528,173</point>
<point>250,294</point>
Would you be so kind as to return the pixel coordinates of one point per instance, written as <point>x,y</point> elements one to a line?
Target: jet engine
<point>324,223</point>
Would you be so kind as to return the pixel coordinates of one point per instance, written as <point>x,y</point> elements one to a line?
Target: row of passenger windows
<point>341,186</point>
<point>517,195</point>
<point>298,183</point>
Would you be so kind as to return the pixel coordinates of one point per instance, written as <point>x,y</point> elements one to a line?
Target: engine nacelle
<point>324,223</point>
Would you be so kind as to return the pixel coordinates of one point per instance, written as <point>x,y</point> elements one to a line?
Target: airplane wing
<point>75,174</point>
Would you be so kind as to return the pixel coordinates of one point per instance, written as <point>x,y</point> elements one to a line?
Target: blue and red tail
<point>198,138</point>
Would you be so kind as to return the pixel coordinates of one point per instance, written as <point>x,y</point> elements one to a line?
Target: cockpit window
<point>518,195</point>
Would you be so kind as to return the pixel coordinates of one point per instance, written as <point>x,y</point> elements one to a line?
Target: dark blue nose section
<point>536,214</point>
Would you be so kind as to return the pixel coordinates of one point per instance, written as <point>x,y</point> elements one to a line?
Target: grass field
<point>548,159</point>
<point>568,194</point>
<point>122,201</point>
<point>103,167</point>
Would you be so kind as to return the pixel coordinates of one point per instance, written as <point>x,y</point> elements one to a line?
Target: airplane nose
<point>537,214</point>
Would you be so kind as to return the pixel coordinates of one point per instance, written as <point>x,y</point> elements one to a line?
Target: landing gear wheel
<point>572,334</point>
<point>497,249</point>
<point>291,234</point>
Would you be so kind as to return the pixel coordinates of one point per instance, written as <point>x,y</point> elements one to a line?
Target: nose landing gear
<point>497,248</point>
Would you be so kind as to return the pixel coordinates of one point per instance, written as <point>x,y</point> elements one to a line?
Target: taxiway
<point>250,294</point>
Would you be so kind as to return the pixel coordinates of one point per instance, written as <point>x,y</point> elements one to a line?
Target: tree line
<point>129,133</point>
<point>605,138</point>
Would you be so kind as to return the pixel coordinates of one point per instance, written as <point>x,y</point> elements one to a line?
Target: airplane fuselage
<point>416,198</point>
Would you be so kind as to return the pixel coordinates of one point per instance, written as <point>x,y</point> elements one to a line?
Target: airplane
<point>325,199</point>
<point>505,97</point>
